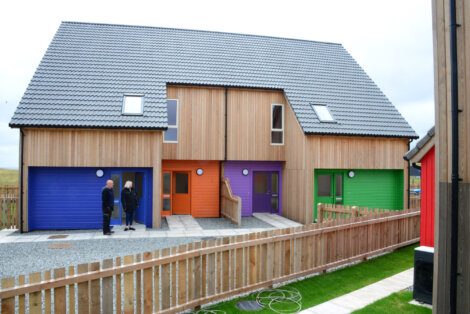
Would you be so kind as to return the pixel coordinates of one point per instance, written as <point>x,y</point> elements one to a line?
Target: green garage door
<point>366,188</point>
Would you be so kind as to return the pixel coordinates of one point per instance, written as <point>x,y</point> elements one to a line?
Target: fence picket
<point>83,293</point>
<point>129,287</point>
<point>107,295</point>
<point>147,285</point>
<point>47,294</point>
<point>35,302</point>
<point>8,305</point>
<point>60,302</point>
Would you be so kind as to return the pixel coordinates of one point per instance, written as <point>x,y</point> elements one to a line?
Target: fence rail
<point>184,277</point>
<point>329,212</point>
<point>231,205</point>
<point>8,207</point>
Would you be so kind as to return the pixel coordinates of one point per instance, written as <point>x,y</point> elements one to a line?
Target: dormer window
<point>133,105</point>
<point>323,113</point>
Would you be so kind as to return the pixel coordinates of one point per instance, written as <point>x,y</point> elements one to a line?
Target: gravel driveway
<point>25,258</point>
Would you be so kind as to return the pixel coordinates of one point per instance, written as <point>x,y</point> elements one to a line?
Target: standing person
<point>107,201</point>
<point>129,204</point>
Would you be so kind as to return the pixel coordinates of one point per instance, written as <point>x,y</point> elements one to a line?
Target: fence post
<point>320,212</point>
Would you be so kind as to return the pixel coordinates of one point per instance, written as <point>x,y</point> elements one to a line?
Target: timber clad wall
<point>249,124</point>
<point>93,148</point>
<point>443,229</point>
<point>201,125</point>
<point>304,154</point>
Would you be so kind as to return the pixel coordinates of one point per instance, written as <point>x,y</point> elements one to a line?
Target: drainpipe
<point>455,157</point>
<point>21,198</point>
<point>226,127</point>
<point>409,177</point>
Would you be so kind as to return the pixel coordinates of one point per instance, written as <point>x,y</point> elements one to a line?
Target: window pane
<point>166,204</point>
<point>324,185</point>
<point>323,113</point>
<point>132,105</point>
<point>275,203</point>
<point>261,183</point>
<point>172,107</point>
<point>277,117</point>
<point>274,183</point>
<point>171,135</point>
<point>166,183</point>
<point>339,185</point>
<point>276,137</point>
<point>117,185</point>
<point>181,184</point>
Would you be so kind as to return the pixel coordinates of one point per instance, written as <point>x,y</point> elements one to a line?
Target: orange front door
<point>181,193</point>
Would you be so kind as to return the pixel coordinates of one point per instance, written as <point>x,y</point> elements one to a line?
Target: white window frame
<point>124,113</point>
<point>333,120</point>
<point>277,130</point>
<point>177,122</point>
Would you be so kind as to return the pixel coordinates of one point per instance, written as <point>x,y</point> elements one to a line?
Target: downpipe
<point>454,157</point>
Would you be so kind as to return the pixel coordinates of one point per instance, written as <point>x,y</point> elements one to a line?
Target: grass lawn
<point>8,177</point>
<point>395,303</point>
<point>318,289</point>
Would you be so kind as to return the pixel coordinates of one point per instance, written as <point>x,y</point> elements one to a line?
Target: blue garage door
<point>68,198</point>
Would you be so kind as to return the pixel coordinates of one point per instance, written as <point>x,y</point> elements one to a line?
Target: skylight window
<point>133,105</point>
<point>323,114</point>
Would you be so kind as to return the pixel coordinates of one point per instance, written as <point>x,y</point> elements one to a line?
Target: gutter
<point>454,157</point>
<point>409,177</point>
<point>21,181</point>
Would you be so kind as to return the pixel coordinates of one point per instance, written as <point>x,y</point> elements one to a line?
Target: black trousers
<point>106,220</point>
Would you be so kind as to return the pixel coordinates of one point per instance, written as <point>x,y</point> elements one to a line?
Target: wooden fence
<point>184,277</point>
<point>415,202</point>
<point>329,212</point>
<point>9,206</point>
<point>231,205</point>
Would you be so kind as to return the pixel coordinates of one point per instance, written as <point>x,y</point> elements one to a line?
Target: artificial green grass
<point>8,177</point>
<point>395,303</point>
<point>319,289</point>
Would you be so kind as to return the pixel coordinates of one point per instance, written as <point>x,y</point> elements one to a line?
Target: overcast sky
<point>390,39</point>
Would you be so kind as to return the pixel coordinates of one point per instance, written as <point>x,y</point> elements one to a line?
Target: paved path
<point>182,223</point>
<point>360,298</point>
<point>179,226</point>
<point>276,220</point>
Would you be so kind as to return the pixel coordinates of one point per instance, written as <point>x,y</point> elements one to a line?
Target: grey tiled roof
<point>421,143</point>
<point>87,69</point>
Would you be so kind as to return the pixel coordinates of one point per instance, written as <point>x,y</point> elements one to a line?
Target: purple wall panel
<point>243,185</point>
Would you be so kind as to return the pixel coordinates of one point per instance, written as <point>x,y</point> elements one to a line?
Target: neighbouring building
<point>290,123</point>
<point>423,156</point>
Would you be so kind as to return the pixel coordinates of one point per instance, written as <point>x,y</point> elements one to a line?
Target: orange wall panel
<point>204,188</point>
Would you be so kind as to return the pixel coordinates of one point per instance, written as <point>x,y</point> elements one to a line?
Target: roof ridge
<point>203,31</point>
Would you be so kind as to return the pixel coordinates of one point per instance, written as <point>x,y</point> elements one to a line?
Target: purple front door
<point>266,191</point>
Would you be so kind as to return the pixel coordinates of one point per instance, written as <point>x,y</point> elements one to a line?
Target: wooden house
<point>289,122</point>
<point>423,156</point>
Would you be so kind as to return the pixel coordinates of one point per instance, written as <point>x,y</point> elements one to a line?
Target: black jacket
<point>129,199</point>
<point>107,198</point>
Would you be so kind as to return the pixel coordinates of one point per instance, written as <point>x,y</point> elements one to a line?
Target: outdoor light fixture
<point>99,173</point>
<point>245,172</point>
<point>199,172</point>
<point>351,174</point>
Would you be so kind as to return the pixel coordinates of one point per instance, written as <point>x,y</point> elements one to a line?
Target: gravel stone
<point>25,258</point>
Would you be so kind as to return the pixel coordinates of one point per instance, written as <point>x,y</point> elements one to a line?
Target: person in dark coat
<point>107,201</point>
<point>129,204</point>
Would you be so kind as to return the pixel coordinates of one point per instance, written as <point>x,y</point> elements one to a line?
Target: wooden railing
<point>329,212</point>
<point>415,202</point>
<point>231,206</point>
<point>9,207</point>
<point>185,277</point>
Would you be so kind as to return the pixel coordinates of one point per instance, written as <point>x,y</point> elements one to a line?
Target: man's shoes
<point>125,229</point>
<point>107,233</point>
<point>130,228</point>
<point>112,231</point>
